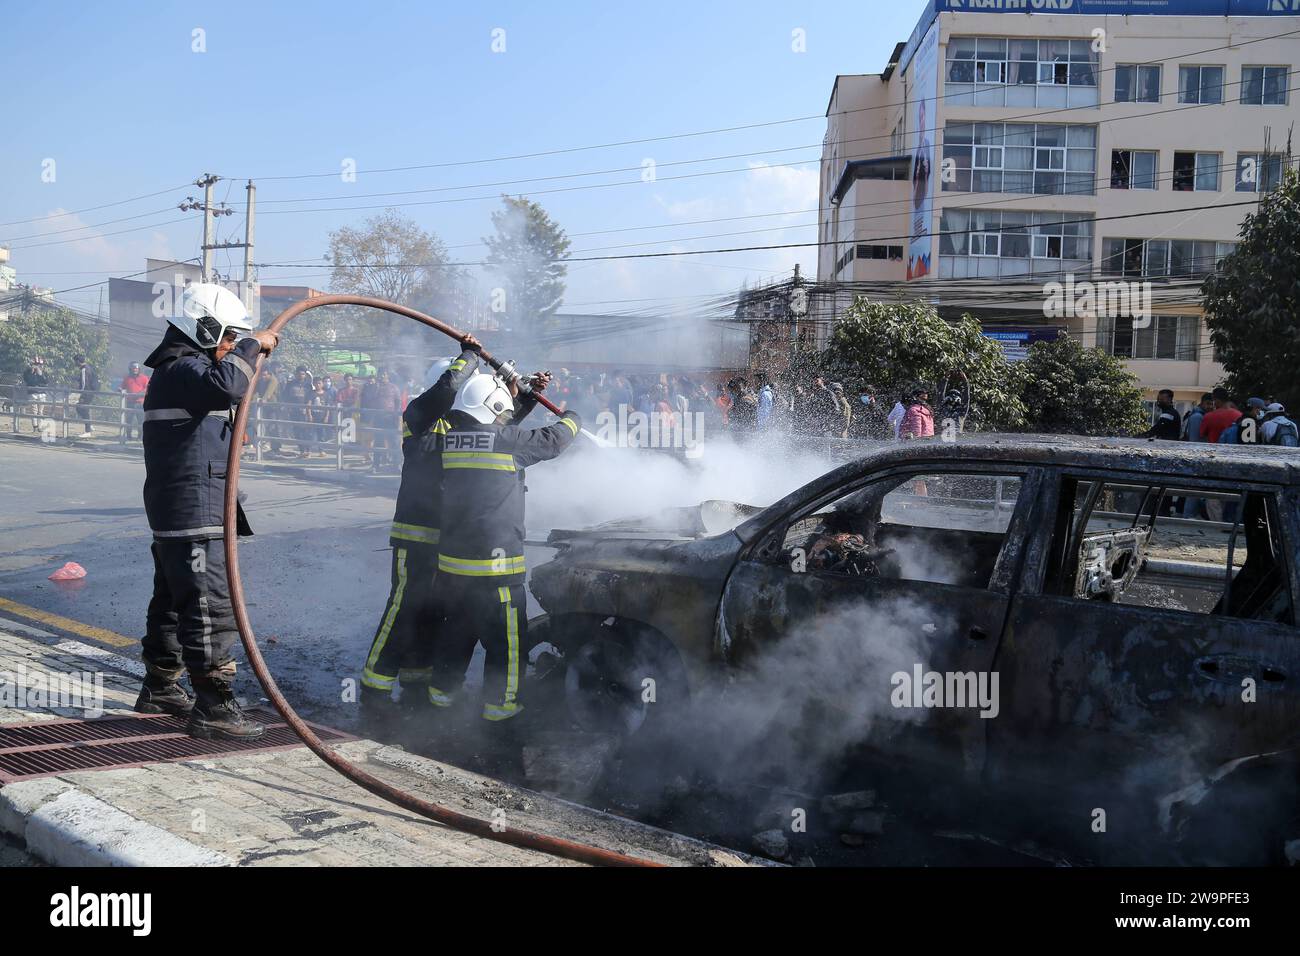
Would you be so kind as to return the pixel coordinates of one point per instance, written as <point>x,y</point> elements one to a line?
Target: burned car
<point>1137,672</point>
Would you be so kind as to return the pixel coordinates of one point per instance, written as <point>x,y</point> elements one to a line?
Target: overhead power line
<point>725,129</point>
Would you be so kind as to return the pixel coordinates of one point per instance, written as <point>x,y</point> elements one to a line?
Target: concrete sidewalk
<point>282,808</point>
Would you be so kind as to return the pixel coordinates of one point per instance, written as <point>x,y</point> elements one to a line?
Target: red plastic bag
<point>71,571</point>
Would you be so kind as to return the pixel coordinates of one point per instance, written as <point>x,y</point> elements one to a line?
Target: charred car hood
<point>672,524</point>
<point>665,579</point>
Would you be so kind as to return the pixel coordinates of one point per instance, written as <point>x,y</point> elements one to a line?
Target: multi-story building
<point>1010,144</point>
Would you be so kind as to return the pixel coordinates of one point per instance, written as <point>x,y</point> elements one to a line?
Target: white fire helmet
<point>436,371</point>
<point>207,311</point>
<point>484,398</point>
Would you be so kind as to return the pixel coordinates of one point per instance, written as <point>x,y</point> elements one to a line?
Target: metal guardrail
<point>338,431</point>
<point>56,411</point>
<point>48,407</point>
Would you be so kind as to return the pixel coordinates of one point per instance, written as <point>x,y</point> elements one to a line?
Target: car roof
<point>1132,457</point>
<point>1268,463</point>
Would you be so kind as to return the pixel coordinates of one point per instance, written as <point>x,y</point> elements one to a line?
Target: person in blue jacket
<point>202,369</point>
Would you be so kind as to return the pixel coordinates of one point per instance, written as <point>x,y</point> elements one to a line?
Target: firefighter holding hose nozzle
<point>400,654</point>
<point>481,551</point>
<point>202,368</point>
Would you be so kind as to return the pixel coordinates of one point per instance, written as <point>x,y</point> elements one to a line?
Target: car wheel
<point>621,679</point>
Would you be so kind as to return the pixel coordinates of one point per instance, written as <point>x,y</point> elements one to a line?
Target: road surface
<point>316,572</point>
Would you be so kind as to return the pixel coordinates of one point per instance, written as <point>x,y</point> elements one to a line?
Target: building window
<point>1258,172</point>
<point>990,71</point>
<point>986,244</point>
<point>1160,258</point>
<point>1000,71</point>
<point>1172,337</point>
<point>1135,83</point>
<point>1018,61</point>
<point>1196,172</point>
<point>1200,84</point>
<point>1005,242</point>
<point>1264,85</point>
<point>1047,159</point>
<point>891,253</point>
<point>1046,246</point>
<point>1133,169</point>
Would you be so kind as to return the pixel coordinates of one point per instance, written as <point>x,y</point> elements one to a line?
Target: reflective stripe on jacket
<point>419,497</point>
<point>483,493</point>
<point>186,435</point>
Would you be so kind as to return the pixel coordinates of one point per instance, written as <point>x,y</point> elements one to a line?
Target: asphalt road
<point>316,572</point>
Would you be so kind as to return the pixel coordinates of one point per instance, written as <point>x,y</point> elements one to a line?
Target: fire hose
<point>555,846</point>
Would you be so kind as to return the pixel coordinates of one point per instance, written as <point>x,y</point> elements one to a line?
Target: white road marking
<point>102,655</point>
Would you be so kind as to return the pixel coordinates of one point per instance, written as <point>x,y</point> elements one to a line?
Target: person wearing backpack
<point>1245,430</point>
<point>1277,429</point>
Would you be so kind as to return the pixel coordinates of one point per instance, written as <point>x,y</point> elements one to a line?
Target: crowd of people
<point>1219,418</point>
<point>300,409</point>
<point>304,409</point>
<point>741,405</point>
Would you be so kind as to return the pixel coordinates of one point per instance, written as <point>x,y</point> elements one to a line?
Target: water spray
<point>555,846</point>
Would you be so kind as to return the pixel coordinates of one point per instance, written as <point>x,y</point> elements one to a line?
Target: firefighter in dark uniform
<point>481,550</point>
<point>401,650</point>
<point>201,369</point>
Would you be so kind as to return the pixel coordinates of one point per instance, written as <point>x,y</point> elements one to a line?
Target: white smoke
<point>588,485</point>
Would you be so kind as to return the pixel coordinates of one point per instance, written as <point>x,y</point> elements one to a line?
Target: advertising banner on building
<point>1185,8</point>
<point>1015,342</point>
<point>924,111</point>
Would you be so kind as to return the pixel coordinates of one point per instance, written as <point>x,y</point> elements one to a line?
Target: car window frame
<point>1276,500</point>
<point>1007,568</point>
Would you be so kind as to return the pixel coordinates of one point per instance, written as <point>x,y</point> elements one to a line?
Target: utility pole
<point>210,211</point>
<point>207,182</point>
<point>248,246</point>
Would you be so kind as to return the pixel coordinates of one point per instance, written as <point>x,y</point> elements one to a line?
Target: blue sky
<point>115,96</point>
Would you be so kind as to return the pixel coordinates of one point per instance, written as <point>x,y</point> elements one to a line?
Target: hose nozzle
<point>509,374</point>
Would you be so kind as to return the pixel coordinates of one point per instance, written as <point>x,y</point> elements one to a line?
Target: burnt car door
<point>1143,655</point>
<point>859,598</point>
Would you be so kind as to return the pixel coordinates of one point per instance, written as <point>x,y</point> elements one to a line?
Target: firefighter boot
<point>158,695</point>
<point>379,715</point>
<point>503,752</point>
<point>414,705</point>
<point>217,715</point>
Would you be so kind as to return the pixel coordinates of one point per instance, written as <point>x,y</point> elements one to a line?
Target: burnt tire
<point>621,678</point>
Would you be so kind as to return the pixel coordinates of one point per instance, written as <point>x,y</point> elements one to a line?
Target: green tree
<point>896,346</point>
<point>308,338</point>
<point>1069,389</point>
<point>388,257</point>
<point>57,336</point>
<point>1252,302</point>
<point>527,251</point>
